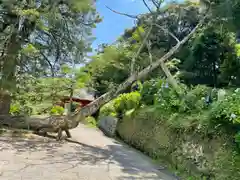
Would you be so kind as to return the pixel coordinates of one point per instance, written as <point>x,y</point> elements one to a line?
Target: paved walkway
<point>89,155</point>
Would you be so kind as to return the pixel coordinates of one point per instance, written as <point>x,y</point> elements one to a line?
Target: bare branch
<point>157,4</point>
<point>149,51</point>
<point>49,63</point>
<point>145,3</point>
<point>167,31</point>
<point>170,77</point>
<point>140,49</point>
<point>124,14</point>
<point>148,44</point>
<point>165,69</point>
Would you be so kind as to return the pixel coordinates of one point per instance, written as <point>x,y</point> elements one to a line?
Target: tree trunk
<point>5,102</point>
<point>170,78</point>
<point>8,63</point>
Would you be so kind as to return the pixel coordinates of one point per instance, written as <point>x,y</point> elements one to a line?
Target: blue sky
<point>113,25</point>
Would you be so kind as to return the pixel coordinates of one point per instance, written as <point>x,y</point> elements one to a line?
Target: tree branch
<point>170,78</point>
<point>49,63</point>
<point>95,105</point>
<point>148,44</point>
<point>149,51</point>
<point>157,4</point>
<point>140,49</point>
<point>124,14</point>
<point>145,3</point>
<point>165,30</point>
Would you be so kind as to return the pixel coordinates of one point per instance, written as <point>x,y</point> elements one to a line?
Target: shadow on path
<point>76,154</point>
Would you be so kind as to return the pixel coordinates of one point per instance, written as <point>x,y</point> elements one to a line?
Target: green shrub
<point>237,140</point>
<point>227,110</point>
<point>157,92</point>
<point>167,99</point>
<point>91,121</point>
<point>195,99</point>
<point>121,104</point>
<point>17,109</point>
<point>192,153</point>
<point>225,115</point>
<point>127,101</point>
<point>149,90</point>
<point>108,110</point>
<point>57,110</point>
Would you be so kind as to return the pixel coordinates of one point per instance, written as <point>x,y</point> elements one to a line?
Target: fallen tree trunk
<point>35,123</point>
<point>23,122</point>
<point>95,105</point>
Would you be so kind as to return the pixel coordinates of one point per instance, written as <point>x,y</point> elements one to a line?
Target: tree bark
<point>170,78</point>
<point>8,70</point>
<point>5,102</point>
<point>9,62</point>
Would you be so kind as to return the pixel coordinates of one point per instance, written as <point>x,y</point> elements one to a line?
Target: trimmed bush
<point>57,110</point>
<point>121,104</point>
<point>17,109</point>
<point>127,101</point>
<point>108,110</point>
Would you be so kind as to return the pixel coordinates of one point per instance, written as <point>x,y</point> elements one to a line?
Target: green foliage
<point>167,99</point>
<point>225,114</point>
<point>109,68</point>
<point>57,110</point>
<point>226,13</point>
<point>195,99</point>
<point>18,109</point>
<point>127,101</point>
<point>91,121</point>
<point>228,109</point>
<point>237,139</point>
<point>181,143</point>
<point>108,110</point>
<point>149,91</point>
<point>213,58</point>
<point>157,92</point>
<point>42,93</point>
<point>238,49</point>
<point>29,49</point>
<point>53,36</point>
<point>121,104</point>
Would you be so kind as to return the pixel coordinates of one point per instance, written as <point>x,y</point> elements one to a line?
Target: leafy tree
<point>38,37</point>
<point>212,58</point>
<point>36,95</point>
<point>113,63</point>
<point>109,68</point>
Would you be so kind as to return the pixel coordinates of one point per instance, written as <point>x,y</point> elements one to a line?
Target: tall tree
<point>113,65</point>
<point>212,58</point>
<point>53,31</point>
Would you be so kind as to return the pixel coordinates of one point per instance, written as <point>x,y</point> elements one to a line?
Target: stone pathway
<point>89,155</point>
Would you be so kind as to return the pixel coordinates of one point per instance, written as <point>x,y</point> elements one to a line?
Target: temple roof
<point>83,93</point>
